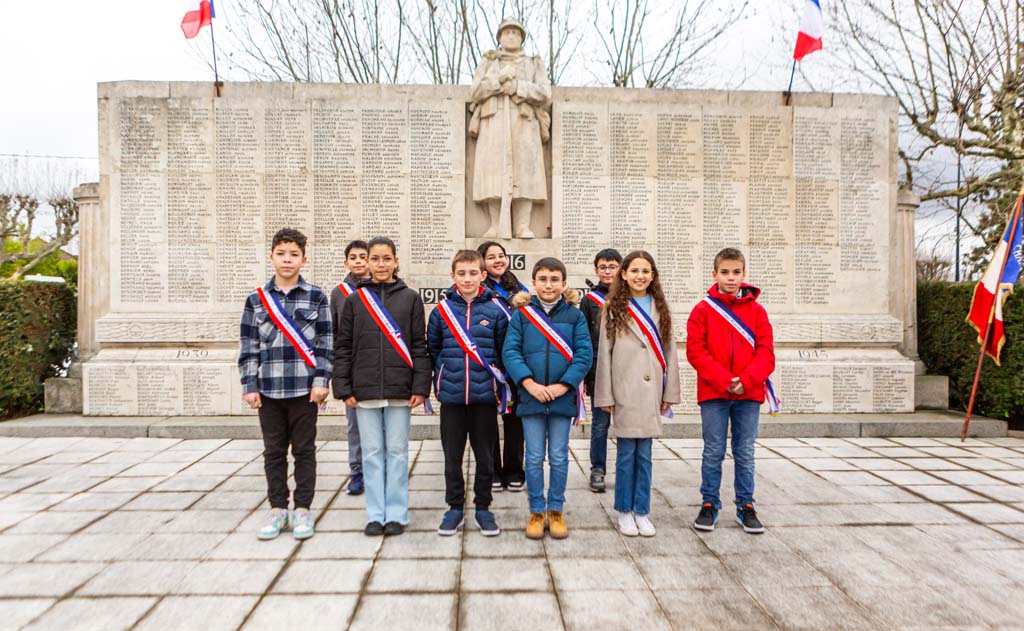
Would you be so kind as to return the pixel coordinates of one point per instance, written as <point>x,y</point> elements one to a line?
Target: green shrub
<point>37,334</point>
<point>948,346</point>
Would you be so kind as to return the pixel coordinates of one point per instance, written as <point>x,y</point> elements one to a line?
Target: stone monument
<point>192,186</point>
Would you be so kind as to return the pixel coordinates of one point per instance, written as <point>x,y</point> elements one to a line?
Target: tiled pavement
<point>863,533</point>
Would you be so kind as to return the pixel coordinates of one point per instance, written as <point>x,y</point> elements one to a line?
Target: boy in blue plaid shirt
<point>285,361</point>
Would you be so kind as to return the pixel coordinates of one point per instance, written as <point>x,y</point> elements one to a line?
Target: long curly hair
<point>616,311</point>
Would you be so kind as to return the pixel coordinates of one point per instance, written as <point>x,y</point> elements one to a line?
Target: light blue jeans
<point>384,434</point>
<point>633,467</point>
<point>550,434</point>
<point>715,416</point>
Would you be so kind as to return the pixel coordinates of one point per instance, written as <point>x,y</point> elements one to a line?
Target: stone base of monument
<point>931,392</point>
<point>332,427</point>
<point>63,395</point>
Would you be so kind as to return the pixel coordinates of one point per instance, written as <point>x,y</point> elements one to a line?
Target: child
<point>383,371</point>
<point>729,343</point>
<point>355,262</point>
<point>606,266</point>
<point>508,471</point>
<point>285,377</point>
<point>637,382</point>
<point>547,354</point>
<point>464,336</point>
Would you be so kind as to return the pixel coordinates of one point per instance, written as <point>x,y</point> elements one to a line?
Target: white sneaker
<point>627,525</point>
<point>644,525</point>
<point>277,521</point>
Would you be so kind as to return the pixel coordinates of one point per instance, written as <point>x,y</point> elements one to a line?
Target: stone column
<point>906,207</point>
<point>90,278</point>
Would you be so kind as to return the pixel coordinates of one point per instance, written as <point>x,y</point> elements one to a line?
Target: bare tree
<point>933,267</point>
<point>18,214</point>
<point>644,48</point>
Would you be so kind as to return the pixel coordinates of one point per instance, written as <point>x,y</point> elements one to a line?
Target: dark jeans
<point>480,423</point>
<point>510,467</point>
<point>599,422</point>
<point>287,422</point>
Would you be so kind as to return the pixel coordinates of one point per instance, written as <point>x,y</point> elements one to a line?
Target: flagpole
<point>789,90</point>
<point>216,76</point>
<point>1014,220</point>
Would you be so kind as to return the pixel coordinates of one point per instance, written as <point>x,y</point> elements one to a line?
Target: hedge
<point>948,346</point>
<point>37,336</point>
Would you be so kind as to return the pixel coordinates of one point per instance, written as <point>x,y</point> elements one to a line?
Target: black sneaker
<point>374,529</point>
<point>747,517</point>
<point>597,481</point>
<point>707,518</point>
<point>516,485</point>
<point>355,484</point>
<point>393,528</point>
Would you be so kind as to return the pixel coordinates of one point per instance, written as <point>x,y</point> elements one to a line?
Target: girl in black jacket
<point>383,375</point>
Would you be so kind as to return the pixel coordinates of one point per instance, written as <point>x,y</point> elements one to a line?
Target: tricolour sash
<point>504,307</point>
<point>346,289</point>
<point>547,328</point>
<point>774,404</point>
<point>386,323</point>
<point>287,326</point>
<point>469,346</point>
<point>650,332</point>
<point>597,297</point>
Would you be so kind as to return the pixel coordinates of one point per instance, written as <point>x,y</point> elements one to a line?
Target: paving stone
<point>420,545</point>
<point>921,513</point>
<point>342,545</point>
<point>136,522</point>
<point>509,544</point>
<point>106,613</point>
<point>210,613</point>
<point>774,569</point>
<point>673,542</point>
<point>440,575</point>
<point>229,577</point>
<point>707,609</point>
<point>496,575</point>
<point>137,578</point>
<point>729,538</point>
<point>510,612</point>
<point>46,579</point>
<point>945,493</point>
<point>29,502</point>
<point>699,572</point>
<point>585,574</point>
<point>95,501</point>
<point>15,614</point>
<point>913,607</point>
<point>323,577</point>
<point>183,482</point>
<point>965,477</point>
<point>816,608</point>
<point>405,611</point>
<point>53,522</point>
<point>205,521</point>
<point>19,548</point>
<point>341,520</point>
<point>231,500</point>
<point>176,546</point>
<point>587,543</point>
<point>173,501</point>
<point>614,610</point>
<point>245,546</point>
<point>124,484</point>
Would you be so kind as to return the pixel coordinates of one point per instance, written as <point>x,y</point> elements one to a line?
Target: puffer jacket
<point>366,365</point>
<point>457,378</point>
<point>719,353</point>
<point>528,354</point>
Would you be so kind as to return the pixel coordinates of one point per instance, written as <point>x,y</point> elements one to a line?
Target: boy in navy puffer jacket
<point>464,336</point>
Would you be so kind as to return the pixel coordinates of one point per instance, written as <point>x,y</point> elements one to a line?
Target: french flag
<point>199,14</point>
<point>999,278</point>
<point>812,27</point>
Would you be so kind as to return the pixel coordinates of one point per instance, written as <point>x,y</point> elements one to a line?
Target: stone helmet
<point>510,23</point>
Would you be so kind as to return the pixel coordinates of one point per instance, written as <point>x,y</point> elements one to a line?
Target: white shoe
<point>644,525</point>
<point>627,525</point>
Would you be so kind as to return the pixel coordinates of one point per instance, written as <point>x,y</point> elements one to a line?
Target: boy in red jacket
<point>729,343</point>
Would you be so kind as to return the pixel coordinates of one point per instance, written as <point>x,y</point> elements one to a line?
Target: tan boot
<point>535,528</point>
<point>556,525</point>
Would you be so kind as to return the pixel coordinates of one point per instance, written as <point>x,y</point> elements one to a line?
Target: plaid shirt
<point>268,362</point>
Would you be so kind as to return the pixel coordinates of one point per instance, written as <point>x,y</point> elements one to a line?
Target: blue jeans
<point>599,422</point>
<point>714,417</point>
<point>384,434</point>
<point>550,434</point>
<point>355,453</point>
<point>633,467</point>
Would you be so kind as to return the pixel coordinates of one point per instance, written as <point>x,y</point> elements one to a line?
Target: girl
<point>381,331</point>
<point>637,382</point>
<point>508,472</point>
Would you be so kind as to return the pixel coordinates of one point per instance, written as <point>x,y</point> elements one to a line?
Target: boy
<point>606,266</point>
<point>464,337</point>
<point>356,254</point>
<point>732,382</point>
<point>285,361</point>
<point>547,353</point>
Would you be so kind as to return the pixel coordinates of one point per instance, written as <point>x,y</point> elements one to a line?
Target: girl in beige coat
<point>637,382</point>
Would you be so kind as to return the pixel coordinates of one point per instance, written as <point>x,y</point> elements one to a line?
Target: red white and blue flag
<point>812,27</point>
<point>199,14</point>
<point>997,284</point>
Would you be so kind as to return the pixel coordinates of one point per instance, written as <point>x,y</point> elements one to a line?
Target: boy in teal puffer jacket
<point>547,353</point>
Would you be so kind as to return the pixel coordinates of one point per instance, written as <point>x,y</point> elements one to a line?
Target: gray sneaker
<point>277,521</point>
<point>597,481</point>
<point>302,523</point>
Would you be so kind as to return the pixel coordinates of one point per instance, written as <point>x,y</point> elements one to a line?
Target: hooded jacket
<point>458,379</point>
<point>366,365</point>
<point>719,353</point>
<point>528,354</point>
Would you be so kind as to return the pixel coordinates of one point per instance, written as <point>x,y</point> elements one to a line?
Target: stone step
<point>921,423</point>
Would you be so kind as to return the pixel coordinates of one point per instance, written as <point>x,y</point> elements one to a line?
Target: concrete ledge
<point>922,423</point>
<point>931,392</point>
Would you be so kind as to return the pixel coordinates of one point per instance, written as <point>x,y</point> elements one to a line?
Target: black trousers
<point>287,422</point>
<point>509,467</point>
<point>480,423</point>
